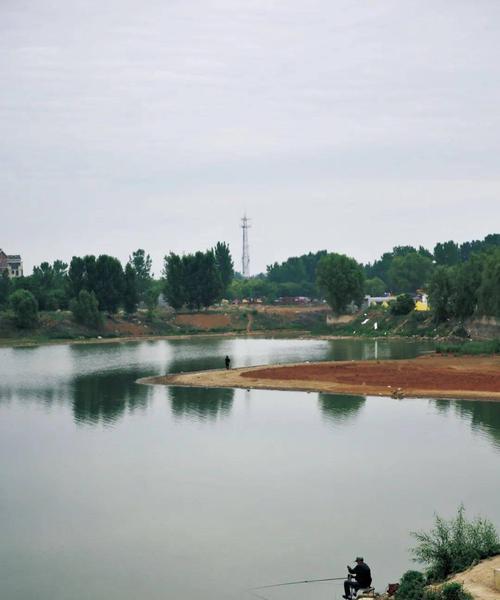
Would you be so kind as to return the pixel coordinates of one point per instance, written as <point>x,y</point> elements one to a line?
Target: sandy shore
<point>433,376</point>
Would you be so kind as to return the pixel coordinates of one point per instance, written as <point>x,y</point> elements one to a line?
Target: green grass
<point>470,347</point>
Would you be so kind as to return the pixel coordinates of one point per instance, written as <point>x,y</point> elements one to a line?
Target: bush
<point>486,347</point>
<point>454,545</point>
<point>411,586</point>
<point>25,308</point>
<point>403,305</point>
<point>454,591</point>
<point>448,591</point>
<point>85,310</point>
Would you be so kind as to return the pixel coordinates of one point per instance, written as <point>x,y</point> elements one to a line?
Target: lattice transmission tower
<point>245,257</point>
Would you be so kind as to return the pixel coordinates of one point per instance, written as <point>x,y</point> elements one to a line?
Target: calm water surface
<point>113,490</point>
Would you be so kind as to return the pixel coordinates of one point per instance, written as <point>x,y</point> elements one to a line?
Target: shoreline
<point>271,333</point>
<point>30,343</point>
<point>428,376</point>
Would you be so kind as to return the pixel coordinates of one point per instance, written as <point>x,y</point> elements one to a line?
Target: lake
<point>115,490</point>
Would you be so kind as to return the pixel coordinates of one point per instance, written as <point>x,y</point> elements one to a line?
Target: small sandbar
<point>433,376</point>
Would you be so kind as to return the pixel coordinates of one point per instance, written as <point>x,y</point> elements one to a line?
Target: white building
<point>11,263</point>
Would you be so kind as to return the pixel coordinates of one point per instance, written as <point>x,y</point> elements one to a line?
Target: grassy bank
<point>469,347</point>
<point>414,324</point>
<point>60,325</point>
<point>312,320</point>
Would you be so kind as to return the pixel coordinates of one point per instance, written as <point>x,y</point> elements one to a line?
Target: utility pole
<point>245,271</point>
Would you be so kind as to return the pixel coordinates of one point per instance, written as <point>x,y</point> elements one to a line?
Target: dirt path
<point>426,376</point>
<point>478,580</point>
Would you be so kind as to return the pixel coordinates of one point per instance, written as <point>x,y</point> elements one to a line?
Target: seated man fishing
<point>363,578</point>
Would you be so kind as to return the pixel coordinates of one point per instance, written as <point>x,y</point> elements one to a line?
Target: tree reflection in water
<point>337,408</point>
<point>483,416</point>
<point>200,404</point>
<point>105,397</point>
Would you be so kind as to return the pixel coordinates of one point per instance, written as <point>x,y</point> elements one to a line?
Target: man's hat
<point>359,558</point>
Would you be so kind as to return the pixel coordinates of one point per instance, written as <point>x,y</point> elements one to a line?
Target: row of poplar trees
<point>199,279</point>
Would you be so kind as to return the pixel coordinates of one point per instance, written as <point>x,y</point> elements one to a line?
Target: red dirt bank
<point>428,376</point>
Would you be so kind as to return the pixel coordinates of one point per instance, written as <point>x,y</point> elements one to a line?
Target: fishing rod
<point>264,587</point>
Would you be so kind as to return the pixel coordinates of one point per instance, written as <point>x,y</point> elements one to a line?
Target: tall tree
<point>141,264</point>
<point>108,282</point>
<point>130,292</point>
<point>76,275</point>
<point>409,272</point>
<point>341,279</point>
<point>209,278</point>
<point>489,290</point>
<point>447,253</point>
<point>5,288</point>
<point>224,265</point>
<point>440,293</point>
<point>465,282</point>
<point>173,277</point>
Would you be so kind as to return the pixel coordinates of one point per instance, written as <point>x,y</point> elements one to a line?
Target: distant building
<point>292,300</point>
<point>11,263</point>
<point>378,301</point>
<point>421,301</point>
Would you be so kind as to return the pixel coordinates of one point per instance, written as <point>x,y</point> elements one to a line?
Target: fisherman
<point>363,578</point>
<point>227,360</point>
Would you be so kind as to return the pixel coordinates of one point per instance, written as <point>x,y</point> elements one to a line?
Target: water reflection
<point>483,416</point>
<point>185,364</point>
<point>336,408</point>
<point>200,404</point>
<point>105,397</point>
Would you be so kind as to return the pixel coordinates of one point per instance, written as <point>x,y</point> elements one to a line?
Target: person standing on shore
<point>227,360</point>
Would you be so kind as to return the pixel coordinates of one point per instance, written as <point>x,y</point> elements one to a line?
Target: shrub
<point>25,308</point>
<point>448,591</point>
<point>85,310</point>
<point>454,591</point>
<point>454,545</point>
<point>411,586</point>
<point>403,305</point>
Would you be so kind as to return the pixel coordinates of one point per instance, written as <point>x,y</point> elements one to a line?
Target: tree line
<point>90,285</point>
<point>462,280</point>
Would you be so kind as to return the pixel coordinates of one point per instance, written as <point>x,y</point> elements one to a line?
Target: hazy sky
<point>349,125</point>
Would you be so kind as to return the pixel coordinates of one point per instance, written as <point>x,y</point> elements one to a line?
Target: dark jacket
<point>362,573</point>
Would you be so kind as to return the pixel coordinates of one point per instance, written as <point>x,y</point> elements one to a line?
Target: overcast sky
<point>350,126</point>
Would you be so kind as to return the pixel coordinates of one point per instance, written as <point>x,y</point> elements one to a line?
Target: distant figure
<point>363,578</point>
<point>227,360</point>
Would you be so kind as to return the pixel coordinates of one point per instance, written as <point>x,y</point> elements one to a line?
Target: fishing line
<point>263,587</point>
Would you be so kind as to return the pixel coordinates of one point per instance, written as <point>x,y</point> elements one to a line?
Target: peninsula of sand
<point>435,376</point>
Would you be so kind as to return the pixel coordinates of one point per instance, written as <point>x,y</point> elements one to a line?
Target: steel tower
<point>245,271</point>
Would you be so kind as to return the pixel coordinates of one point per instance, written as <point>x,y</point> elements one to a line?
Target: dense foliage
<point>467,288</point>
<point>447,591</point>
<point>403,305</point>
<point>411,586</point>
<point>199,279</point>
<point>85,309</point>
<point>341,279</point>
<point>461,280</point>
<point>452,546</point>
<point>297,275</point>
<point>25,308</point>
